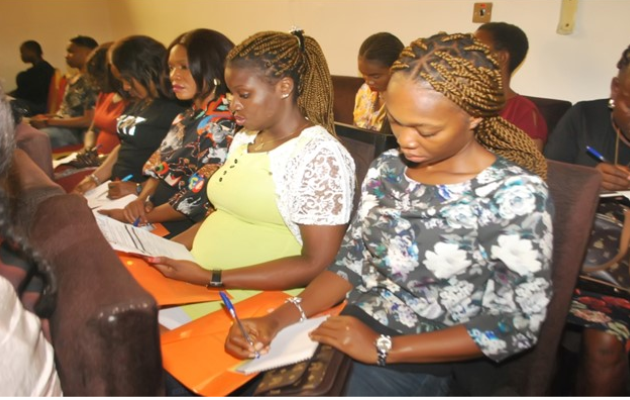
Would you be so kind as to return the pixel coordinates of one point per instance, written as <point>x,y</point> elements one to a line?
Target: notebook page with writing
<point>291,345</point>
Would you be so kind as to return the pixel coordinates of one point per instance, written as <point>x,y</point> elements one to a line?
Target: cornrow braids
<point>46,303</point>
<point>299,57</point>
<point>463,70</point>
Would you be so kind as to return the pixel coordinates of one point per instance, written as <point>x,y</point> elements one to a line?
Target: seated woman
<point>439,265</point>
<point>376,55</point>
<point>284,196</point>
<point>27,365</point>
<point>604,125</point>
<point>509,44</point>
<point>197,144</point>
<point>138,62</point>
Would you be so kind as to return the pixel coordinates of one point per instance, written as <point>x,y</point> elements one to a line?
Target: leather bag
<point>325,374</point>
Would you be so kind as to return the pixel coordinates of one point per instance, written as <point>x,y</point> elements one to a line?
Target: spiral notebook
<point>291,345</point>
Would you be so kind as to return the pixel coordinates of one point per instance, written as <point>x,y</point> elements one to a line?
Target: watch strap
<point>215,280</point>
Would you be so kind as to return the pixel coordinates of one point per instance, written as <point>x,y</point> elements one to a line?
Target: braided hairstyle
<point>294,55</point>
<point>46,303</point>
<point>463,70</point>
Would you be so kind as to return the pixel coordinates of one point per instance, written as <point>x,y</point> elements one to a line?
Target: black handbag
<point>606,266</point>
<point>325,374</point>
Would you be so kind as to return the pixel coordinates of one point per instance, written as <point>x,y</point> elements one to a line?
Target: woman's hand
<point>86,184</point>
<point>260,330</point>
<point>349,335</point>
<point>120,189</point>
<point>181,270</point>
<point>116,213</point>
<point>138,210</point>
<point>614,177</point>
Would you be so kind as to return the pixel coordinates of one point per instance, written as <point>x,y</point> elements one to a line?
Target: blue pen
<point>136,222</point>
<point>232,311</point>
<point>126,178</point>
<point>595,154</point>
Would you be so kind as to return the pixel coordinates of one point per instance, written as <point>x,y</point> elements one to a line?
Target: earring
<point>284,96</point>
<point>611,104</point>
<point>216,82</point>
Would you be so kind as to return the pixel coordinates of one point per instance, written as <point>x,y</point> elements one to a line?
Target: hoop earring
<point>611,104</point>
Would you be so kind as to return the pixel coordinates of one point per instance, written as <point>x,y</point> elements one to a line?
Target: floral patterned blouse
<point>365,115</point>
<point>194,148</point>
<point>423,258</point>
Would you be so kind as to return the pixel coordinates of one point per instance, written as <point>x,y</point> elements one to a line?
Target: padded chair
<point>364,146</point>
<point>104,328</point>
<point>345,90</point>
<point>551,109</point>
<point>575,191</point>
<point>55,91</point>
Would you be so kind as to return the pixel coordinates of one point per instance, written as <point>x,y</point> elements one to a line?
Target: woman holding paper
<point>138,63</point>
<point>197,143</point>
<point>436,267</point>
<point>284,196</point>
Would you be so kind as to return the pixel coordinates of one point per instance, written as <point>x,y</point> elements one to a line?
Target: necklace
<point>619,135</point>
<point>259,146</point>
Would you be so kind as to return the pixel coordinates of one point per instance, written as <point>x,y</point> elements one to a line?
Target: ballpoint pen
<point>126,178</point>
<point>230,307</point>
<point>595,154</point>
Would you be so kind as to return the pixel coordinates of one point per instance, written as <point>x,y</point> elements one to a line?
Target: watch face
<point>384,343</point>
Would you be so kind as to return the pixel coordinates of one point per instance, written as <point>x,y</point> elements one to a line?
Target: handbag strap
<point>624,242</point>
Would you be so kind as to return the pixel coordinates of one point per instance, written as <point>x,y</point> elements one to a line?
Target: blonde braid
<point>464,71</point>
<point>299,57</point>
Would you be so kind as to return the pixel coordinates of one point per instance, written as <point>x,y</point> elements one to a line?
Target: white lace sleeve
<point>321,184</point>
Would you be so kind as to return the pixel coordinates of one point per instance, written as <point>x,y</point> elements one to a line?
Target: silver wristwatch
<point>383,346</point>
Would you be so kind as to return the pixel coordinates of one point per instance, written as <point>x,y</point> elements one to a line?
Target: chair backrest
<point>104,328</point>
<point>574,190</point>
<point>55,91</point>
<point>575,193</point>
<point>551,109</point>
<point>345,90</point>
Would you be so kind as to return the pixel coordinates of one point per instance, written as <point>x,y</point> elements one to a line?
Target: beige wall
<point>50,22</point>
<point>573,67</point>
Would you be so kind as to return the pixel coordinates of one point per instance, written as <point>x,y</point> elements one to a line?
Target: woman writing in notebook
<point>284,196</point>
<point>197,143</point>
<point>440,265</point>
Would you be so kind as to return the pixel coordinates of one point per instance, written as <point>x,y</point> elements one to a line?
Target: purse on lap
<point>606,266</point>
<point>325,374</point>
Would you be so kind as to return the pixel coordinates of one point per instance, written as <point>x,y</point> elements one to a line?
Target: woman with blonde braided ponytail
<point>284,196</point>
<point>449,256</point>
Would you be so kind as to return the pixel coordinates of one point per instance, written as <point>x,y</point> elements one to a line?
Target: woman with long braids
<point>284,196</point>
<point>27,366</point>
<point>449,256</point>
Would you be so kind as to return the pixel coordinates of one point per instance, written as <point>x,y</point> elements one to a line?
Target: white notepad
<point>291,345</point>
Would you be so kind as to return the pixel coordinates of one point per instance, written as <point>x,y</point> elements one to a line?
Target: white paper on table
<point>173,317</point>
<point>65,160</point>
<point>130,239</point>
<point>625,193</point>
<point>98,200</point>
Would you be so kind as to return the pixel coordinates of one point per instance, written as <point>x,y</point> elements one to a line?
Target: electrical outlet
<point>482,12</point>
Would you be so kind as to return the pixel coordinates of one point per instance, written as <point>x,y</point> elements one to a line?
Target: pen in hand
<point>126,178</point>
<point>595,154</point>
<point>230,307</point>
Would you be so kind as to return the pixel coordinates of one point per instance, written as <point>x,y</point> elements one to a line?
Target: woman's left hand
<point>120,189</point>
<point>350,336</point>
<point>115,213</point>
<point>181,270</point>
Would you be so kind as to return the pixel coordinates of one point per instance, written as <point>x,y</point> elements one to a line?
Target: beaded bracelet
<point>296,302</point>
<point>95,179</point>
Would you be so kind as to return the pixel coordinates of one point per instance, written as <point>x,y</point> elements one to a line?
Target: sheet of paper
<point>65,160</point>
<point>129,239</point>
<point>291,345</point>
<point>625,193</point>
<point>173,317</point>
<point>98,200</point>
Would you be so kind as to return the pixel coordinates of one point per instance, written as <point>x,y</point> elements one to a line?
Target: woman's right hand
<point>261,331</point>
<point>614,177</point>
<point>138,209</point>
<point>86,184</point>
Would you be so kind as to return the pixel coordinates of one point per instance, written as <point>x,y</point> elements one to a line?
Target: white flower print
<point>402,255</point>
<point>446,260</point>
<point>368,202</point>
<point>498,302</point>
<point>460,216</point>
<point>489,344</point>
<point>518,254</point>
<point>517,200</point>
<point>407,317</point>
<point>531,296</point>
